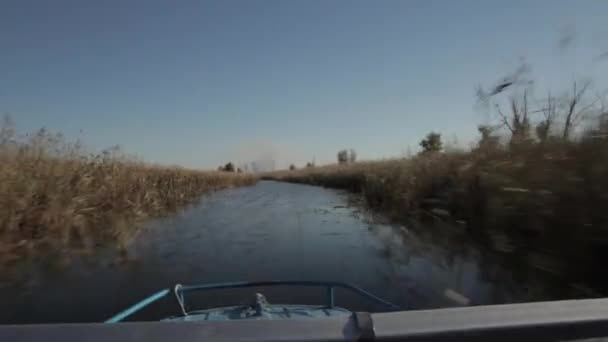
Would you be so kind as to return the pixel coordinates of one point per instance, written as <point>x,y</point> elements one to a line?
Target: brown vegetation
<point>545,203</point>
<point>538,200</point>
<point>55,200</point>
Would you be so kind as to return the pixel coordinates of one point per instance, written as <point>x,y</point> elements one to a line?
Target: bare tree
<point>549,110</point>
<point>600,129</point>
<point>603,114</point>
<point>488,140</point>
<point>352,156</point>
<point>7,129</point>
<point>517,121</point>
<point>576,108</point>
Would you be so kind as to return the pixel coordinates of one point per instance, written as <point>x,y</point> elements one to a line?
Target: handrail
<point>180,298</point>
<point>329,285</point>
<point>180,290</point>
<point>138,306</point>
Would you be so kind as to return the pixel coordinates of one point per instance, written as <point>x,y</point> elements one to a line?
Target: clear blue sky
<point>197,82</point>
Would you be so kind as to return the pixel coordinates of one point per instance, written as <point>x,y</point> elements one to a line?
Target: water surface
<point>270,231</point>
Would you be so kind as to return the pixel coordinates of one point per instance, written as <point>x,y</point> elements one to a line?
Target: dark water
<point>270,231</point>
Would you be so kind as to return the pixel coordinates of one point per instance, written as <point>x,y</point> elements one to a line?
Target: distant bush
<point>229,167</point>
<point>431,143</point>
<point>346,156</point>
<point>292,167</point>
<point>342,156</point>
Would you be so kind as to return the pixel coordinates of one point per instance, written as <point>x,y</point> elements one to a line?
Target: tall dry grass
<point>58,201</point>
<point>541,204</point>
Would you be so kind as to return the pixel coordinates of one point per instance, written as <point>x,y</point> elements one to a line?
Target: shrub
<point>432,143</point>
<point>342,156</point>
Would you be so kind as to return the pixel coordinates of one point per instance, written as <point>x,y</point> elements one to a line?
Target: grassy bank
<point>543,204</point>
<point>57,201</point>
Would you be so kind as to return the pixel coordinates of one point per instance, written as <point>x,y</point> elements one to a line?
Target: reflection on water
<point>270,231</point>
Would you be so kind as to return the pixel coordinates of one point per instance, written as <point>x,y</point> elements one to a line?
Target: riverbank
<point>57,202</point>
<point>542,204</point>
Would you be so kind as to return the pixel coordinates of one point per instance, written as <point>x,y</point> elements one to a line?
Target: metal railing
<point>181,290</point>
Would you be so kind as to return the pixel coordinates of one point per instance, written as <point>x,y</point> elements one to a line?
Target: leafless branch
<point>503,118</point>
<point>572,114</point>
